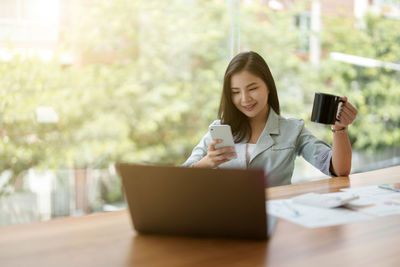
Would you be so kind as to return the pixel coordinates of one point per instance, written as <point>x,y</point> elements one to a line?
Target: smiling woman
<point>247,73</point>
<point>250,105</point>
<point>250,96</point>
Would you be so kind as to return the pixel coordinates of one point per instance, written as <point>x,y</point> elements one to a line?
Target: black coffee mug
<point>325,108</point>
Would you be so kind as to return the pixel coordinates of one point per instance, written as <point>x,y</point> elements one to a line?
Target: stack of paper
<point>351,205</point>
<point>384,202</point>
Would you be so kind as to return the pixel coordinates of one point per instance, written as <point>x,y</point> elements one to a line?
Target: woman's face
<point>249,94</point>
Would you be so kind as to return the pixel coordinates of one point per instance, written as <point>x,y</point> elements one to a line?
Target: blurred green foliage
<point>374,91</point>
<point>151,74</point>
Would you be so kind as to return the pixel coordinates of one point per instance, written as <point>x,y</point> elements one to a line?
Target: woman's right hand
<point>216,157</point>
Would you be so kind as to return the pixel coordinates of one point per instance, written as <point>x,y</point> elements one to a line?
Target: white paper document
<point>370,203</point>
<point>312,217</point>
<point>384,202</point>
<point>371,191</point>
<point>331,200</point>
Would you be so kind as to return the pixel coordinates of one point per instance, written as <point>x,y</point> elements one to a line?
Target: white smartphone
<point>224,133</point>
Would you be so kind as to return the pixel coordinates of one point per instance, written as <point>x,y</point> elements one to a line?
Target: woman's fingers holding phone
<point>211,147</point>
<point>220,151</point>
<point>221,155</point>
<point>226,155</point>
<point>224,150</point>
<point>222,158</point>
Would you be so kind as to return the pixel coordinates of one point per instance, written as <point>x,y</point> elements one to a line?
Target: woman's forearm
<point>341,153</point>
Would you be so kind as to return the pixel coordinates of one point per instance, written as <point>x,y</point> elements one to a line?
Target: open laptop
<point>196,201</point>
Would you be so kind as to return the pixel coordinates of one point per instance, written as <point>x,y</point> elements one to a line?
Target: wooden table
<point>107,239</point>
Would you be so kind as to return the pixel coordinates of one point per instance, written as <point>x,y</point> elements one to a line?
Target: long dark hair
<point>228,113</point>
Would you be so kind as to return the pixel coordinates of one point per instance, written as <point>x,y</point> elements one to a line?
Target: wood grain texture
<point>107,239</point>
<point>387,175</point>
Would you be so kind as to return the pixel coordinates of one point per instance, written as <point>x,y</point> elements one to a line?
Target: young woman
<point>263,138</point>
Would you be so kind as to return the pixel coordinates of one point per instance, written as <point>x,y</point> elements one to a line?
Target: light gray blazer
<point>276,150</point>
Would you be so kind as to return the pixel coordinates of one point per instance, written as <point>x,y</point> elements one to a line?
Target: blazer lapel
<point>265,141</point>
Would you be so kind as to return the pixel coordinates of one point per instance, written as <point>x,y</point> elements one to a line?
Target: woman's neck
<point>260,120</point>
<point>257,125</point>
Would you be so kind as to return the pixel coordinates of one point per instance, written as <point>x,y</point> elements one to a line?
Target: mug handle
<point>338,104</point>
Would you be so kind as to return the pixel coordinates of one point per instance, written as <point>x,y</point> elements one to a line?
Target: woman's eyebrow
<point>250,84</point>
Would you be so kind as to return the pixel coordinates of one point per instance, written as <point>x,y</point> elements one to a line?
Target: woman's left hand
<point>346,114</point>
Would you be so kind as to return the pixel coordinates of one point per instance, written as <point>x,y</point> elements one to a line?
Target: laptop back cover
<point>195,201</point>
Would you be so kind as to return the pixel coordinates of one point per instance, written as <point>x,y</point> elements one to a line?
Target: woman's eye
<point>251,89</point>
<point>235,93</point>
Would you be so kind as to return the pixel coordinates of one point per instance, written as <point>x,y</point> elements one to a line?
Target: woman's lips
<point>250,107</point>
